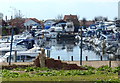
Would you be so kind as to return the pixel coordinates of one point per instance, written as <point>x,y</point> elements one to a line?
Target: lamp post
<point>81,47</point>
<point>11,45</point>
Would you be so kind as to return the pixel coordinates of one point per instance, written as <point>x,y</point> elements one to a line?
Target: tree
<point>115,19</point>
<point>105,19</point>
<point>84,22</point>
<point>100,18</point>
<point>18,14</point>
<point>95,19</point>
<point>59,17</point>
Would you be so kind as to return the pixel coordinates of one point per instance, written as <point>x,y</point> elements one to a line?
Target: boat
<point>69,27</point>
<point>110,38</point>
<point>47,34</point>
<point>14,48</point>
<point>53,35</point>
<point>33,52</point>
<point>4,45</point>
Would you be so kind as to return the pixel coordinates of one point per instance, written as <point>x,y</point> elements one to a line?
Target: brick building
<point>74,19</point>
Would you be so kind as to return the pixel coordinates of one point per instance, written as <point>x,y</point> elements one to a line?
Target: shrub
<point>105,68</point>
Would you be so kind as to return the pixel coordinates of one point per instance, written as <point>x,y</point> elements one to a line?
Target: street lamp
<point>11,45</point>
<point>81,47</point>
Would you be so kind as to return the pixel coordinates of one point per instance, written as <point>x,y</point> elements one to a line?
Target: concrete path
<point>95,64</point>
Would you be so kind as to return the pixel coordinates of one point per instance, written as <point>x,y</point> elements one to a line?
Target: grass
<point>103,73</point>
<point>66,78</point>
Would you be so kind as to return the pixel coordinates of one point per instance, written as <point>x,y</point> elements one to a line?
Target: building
<point>33,23</point>
<point>1,18</point>
<point>1,21</point>
<point>74,19</point>
<point>48,23</point>
<point>87,23</point>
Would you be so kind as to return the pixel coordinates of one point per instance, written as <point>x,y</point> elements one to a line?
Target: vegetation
<point>103,73</point>
<point>6,30</point>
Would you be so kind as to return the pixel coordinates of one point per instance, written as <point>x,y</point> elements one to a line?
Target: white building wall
<point>30,23</point>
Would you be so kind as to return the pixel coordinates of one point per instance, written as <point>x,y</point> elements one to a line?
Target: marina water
<point>66,49</point>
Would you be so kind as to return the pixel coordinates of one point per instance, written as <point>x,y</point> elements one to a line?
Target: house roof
<point>87,23</point>
<point>70,17</point>
<point>34,19</point>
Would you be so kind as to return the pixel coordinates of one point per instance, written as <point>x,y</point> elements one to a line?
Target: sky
<point>50,9</point>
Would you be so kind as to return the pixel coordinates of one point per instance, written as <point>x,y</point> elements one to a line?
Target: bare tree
<point>100,18</point>
<point>18,14</point>
<point>59,17</point>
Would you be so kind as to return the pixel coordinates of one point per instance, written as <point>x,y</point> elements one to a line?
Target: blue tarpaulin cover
<point>47,27</point>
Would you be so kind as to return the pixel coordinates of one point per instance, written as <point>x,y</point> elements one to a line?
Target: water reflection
<point>65,49</point>
<point>68,50</point>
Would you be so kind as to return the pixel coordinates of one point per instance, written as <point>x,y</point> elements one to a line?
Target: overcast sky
<point>50,9</point>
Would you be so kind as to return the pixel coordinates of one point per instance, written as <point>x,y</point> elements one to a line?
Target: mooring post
<point>86,58</point>
<point>7,59</point>
<point>71,58</point>
<point>101,58</point>
<point>110,63</point>
<point>15,56</point>
<point>23,59</point>
<point>58,57</point>
<point>48,53</point>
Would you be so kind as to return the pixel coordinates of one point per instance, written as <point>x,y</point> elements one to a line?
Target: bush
<point>116,69</point>
<point>105,68</point>
<point>89,67</point>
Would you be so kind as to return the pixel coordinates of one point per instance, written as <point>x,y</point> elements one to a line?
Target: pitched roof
<point>70,17</point>
<point>87,23</point>
<point>34,19</point>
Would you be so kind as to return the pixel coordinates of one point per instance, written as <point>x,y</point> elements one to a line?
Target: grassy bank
<point>104,73</point>
<point>106,77</point>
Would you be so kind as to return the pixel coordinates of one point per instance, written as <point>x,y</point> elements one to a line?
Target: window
<point>69,26</point>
